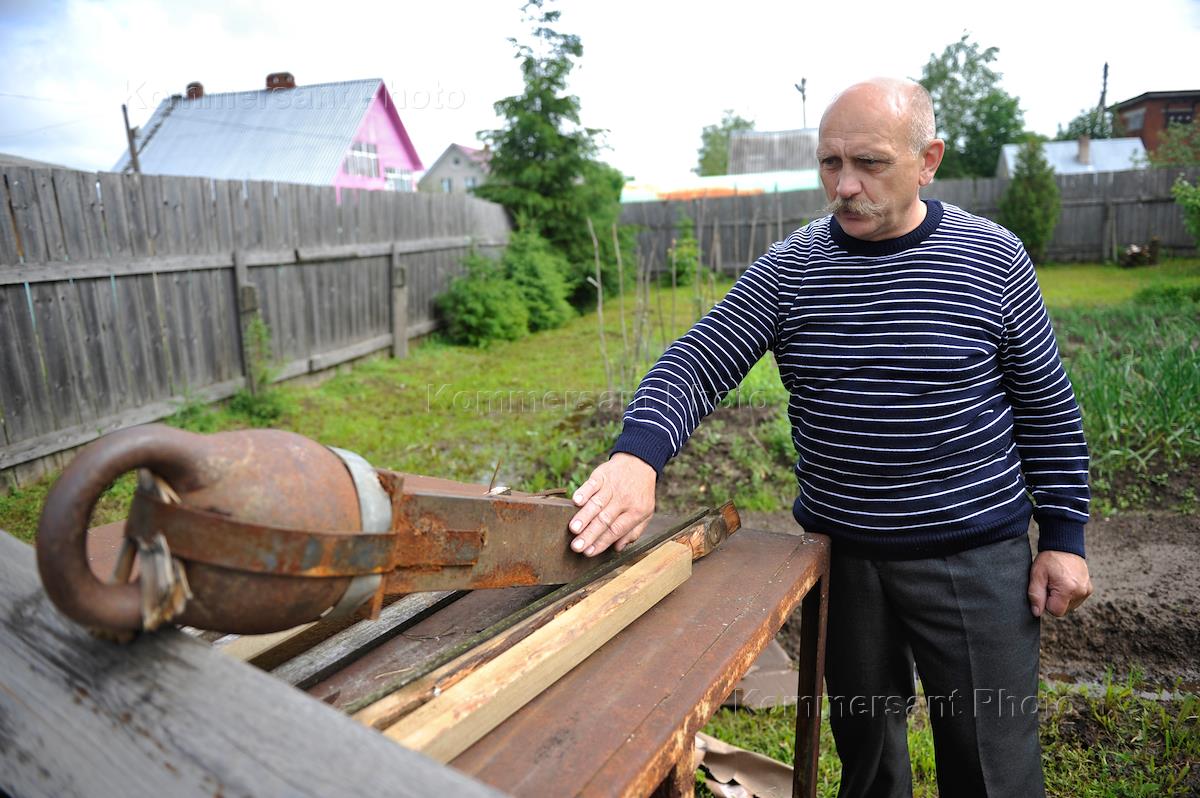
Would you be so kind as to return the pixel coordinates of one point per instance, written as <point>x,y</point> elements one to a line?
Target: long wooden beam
<point>447,725</point>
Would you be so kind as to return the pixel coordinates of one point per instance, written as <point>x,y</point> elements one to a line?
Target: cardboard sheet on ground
<point>772,681</point>
<point>738,773</point>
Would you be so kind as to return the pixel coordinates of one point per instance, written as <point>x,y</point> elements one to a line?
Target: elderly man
<point>931,418</point>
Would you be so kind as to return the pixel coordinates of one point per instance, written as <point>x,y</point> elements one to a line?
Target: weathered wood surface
<point>359,639</point>
<point>118,298</point>
<point>618,722</point>
<point>733,231</point>
<point>415,645</point>
<point>452,721</point>
<point>166,715</point>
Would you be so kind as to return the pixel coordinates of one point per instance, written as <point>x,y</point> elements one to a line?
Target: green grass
<point>1084,285</point>
<point>1106,743</point>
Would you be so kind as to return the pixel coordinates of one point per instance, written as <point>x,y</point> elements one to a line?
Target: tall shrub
<point>482,306</point>
<point>1031,203</point>
<point>684,256</point>
<point>1187,197</point>
<point>539,274</point>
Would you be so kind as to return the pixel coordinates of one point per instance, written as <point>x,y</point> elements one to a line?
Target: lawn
<point>545,408</point>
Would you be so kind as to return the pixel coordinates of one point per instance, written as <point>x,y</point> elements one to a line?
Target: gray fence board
<point>56,245</point>
<point>27,219</point>
<point>10,251</point>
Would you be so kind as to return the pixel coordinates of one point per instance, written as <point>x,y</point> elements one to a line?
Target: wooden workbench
<point>621,723</point>
<point>624,721</point>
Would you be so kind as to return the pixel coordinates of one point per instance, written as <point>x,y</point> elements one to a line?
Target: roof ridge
<point>304,86</point>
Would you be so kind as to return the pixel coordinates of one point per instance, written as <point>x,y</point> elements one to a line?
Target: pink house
<point>347,135</point>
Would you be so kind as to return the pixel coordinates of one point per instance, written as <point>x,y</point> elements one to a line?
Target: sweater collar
<point>889,246</point>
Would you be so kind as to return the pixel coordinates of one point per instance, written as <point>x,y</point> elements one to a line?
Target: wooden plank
<point>56,243</point>
<point>105,347</point>
<point>23,391</point>
<point>341,355</point>
<point>353,642</point>
<point>27,219</point>
<point>399,305</point>
<point>10,249</point>
<point>53,272</point>
<point>154,206</point>
<point>116,218</point>
<point>52,341</point>
<point>450,723</point>
<point>82,376</point>
<point>136,213</point>
<point>161,343</point>
<point>172,222</point>
<point>70,208</point>
<point>137,337</point>
<point>166,715</point>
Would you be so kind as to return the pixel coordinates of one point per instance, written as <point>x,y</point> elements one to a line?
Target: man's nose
<point>848,185</point>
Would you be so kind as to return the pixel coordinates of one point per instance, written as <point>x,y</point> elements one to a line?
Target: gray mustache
<point>859,207</point>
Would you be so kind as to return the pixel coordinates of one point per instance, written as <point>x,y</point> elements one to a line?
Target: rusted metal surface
<point>620,721</point>
<point>259,476</point>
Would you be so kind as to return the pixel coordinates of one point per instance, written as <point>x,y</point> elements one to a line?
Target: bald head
<point>907,103</point>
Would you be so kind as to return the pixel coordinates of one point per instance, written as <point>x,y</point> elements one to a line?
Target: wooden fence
<point>1101,214</point>
<point>123,296</point>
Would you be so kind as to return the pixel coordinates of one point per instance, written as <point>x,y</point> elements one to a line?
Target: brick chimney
<point>195,90</point>
<point>280,80</point>
<point>1085,150</point>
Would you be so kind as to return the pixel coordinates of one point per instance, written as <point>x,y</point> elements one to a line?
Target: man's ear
<point>931,159</point>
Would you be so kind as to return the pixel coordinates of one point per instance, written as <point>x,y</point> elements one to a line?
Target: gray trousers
<point>965,620</point>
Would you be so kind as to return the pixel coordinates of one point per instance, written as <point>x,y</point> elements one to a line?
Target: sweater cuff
<point>1060,534</point>
<point>645,444</point>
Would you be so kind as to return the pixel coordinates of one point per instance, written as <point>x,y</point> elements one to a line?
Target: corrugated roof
<point>295,135</point>
<point>753,151</point>
<point>1106,155</point>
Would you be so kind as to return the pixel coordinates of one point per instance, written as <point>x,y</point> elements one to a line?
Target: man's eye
<point>830,163</point>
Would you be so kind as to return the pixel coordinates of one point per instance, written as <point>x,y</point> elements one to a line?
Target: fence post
<point>246,296</point>
<point>399,306</point>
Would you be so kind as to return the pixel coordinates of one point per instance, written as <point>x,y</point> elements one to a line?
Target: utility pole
<point>1103,96</point>
<point>803,100</point>
<point>133,159</point>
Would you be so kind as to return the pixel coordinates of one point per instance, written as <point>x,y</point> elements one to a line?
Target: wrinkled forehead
<point>864,115</point>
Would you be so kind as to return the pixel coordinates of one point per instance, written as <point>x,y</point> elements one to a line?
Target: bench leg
<point>812,677</point>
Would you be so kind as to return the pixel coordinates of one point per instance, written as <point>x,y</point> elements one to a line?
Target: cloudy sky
<point>653,73</point>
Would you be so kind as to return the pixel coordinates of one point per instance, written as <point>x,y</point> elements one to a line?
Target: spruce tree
<point>1030,205</point>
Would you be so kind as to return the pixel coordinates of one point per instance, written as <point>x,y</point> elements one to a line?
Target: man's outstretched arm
<point>686,383</point>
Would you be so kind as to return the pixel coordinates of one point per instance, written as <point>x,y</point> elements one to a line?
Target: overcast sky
<point>652,73</point>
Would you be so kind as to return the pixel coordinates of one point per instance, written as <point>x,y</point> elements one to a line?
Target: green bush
<point>482,306</point>
<point>539,274</point>
<point>1030,205</point>
<point>1174,295</point>
<point>684,255</point>
<point>1187,197</point>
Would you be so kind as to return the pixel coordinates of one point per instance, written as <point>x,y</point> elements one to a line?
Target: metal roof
<point>753,151</point>
<point>1106,155</point>
<point>295,135</point>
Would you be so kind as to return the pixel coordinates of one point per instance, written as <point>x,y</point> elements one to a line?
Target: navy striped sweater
<point>930,411</point>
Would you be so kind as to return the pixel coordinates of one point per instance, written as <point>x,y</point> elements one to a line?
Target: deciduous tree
<point>974,115</point>
<point>714,144</point>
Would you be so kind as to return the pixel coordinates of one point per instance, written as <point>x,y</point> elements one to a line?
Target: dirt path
<point>1144,615</point>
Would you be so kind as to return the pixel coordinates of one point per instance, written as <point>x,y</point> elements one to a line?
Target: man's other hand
<point>1058,583</point>
<point>615,505</point>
